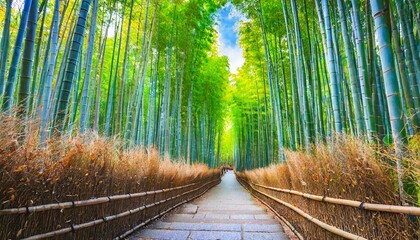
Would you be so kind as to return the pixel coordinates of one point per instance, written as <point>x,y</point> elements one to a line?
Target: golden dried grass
<point>344,168</point>
<point>72,168</point>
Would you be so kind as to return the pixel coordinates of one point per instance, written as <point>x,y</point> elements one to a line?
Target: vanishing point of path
<point>227,211</point>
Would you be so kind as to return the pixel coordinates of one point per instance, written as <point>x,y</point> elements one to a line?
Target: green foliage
<point>170,49</point>
<point>173,90</point>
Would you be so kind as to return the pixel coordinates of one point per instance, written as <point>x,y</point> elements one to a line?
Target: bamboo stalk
<point>113,217</point>
<point>314,220</point>
<point>82,203</point>
<point>350,203</point>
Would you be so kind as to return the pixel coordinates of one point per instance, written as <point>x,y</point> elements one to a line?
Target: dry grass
<point>78,168</point>
<point>345,168</point>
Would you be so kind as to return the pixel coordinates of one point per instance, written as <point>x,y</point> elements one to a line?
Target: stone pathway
<point>227,211</point>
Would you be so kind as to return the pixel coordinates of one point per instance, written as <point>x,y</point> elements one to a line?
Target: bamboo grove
<point>136,69</point>
<point>149,72</point>
<point>314,68</point>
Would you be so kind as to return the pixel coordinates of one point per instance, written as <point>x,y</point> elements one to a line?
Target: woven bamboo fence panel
<point>322,217</point>
<point>99,218</point>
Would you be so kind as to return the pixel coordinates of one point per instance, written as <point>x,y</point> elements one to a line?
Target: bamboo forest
<point>210,119</point>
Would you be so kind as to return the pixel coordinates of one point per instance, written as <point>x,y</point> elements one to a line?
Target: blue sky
<point>228,27</point>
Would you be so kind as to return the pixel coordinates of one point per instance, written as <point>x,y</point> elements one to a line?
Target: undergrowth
<point>71,168</point>
<point>80,167</point>
<point>348,169</point>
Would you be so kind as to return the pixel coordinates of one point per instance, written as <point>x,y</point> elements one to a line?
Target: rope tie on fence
<point>362,205</point>
<point>73,204</point>
<point>72,228</point>
<point>323,198</point>
<point>27,209</point>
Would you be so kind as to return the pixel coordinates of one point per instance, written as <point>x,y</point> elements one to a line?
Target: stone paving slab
<point>215,235</point>
<point>199,216</point>
<point>262,228</point>
<point>242,216</point>
<point>228,201</point>
<point>265,236</point>
<point>226,212</point>
<point>162,234</point>
<point>259,216</point>
<point>189,208</point>
<point>227,208</point>
<point>217,216</point>
<point>198,226</point>
<point>181,216</point>
<point>209,220</point>
<point>235,212</point>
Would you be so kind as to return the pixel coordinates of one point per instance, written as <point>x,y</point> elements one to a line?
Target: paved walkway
<point>227,211</point>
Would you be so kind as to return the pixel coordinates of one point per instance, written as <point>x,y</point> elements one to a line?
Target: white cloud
<point>235,13</point>
<point>17,4</point>
<point>234,53</point>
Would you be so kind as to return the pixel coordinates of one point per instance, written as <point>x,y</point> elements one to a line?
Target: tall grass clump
<point>343,168</point>
<point>71,168</point>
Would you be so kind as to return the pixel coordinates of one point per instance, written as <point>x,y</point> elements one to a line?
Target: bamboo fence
<point>82,203</point>
<point>351,203</point>
<point>287,223</point>
<point>132,211</point>
<point>362,210</point>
